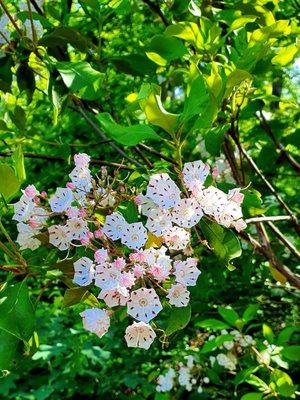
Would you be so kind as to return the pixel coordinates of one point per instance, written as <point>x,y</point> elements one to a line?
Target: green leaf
<point>62,36</point>
<point>129,211</point>
<point>234,79</point>
<point>134,64</point>
<point>224,243</point>
<point>268,333</point>
<point>252,203</point>
<point>18,160</point>
<point>9,184</point>
<point>186,30</point>
<point>250,312</point>
<point>81,79</point>
<point>150,101</point>
<point>179,318</point>
<point>214,139</point>
<point>77,295</point>
<point>126,135</point>
<point>9,354</point>
<point>163,49</point>
<point>243,375</point>
<point>229,315</point>
<point>285,335</point>
<point>196,99</point>
<point>285,55</point>
<point>212,324</point>
<point>291,353</point>
<point>26,80</point>
<point>283,382</point>
<point>16,311</point>
<point>18,117</point>
<point>252,396</point>
<point>242,21</point>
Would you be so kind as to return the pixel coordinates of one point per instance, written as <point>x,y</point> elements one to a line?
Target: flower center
<point>143,302</point>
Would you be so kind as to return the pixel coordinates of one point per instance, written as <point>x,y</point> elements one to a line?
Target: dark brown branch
<point>283,239</point>
<point>288,157</point>
<point>94,161</point>
<point>156,9</point>
<point>158,154</point>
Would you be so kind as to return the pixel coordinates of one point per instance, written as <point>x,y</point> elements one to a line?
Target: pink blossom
<point>138,199</point>
<point>138,270</point>
<point>82,160</point>
<point>72,212</point>
<point>82,212</point>
<point>43,194</point>
<point>70,185</point>
<point>30,191</point>
<point>98,234</point>
<point>33,223</point>
<point>127,279</point>
<point>240,225</point>
<point>85,241</point>
<point>215,172</point>
<point>120,263</point>
<point>236,196</point>
<point>100,256</point>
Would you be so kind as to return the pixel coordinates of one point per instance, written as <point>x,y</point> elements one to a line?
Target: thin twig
<point>266,219</point>
<point>104,137</point>
<point>283,239</point>
<point>155,8</point>
<point>158,154</point>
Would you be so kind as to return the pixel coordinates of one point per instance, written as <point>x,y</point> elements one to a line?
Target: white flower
<point>194,172</point>
<point>58,236</point>
<point>186,271</point>
<point>178,295</point>
<point>61,200</point>
<point>163,191</point>
<point>140,335</point>
<point>212,200</point>
<point>106,198</point>
<point>82,179</point>
<point>240,225</point>
<point>114,226</point>
<point>228,345</point>
<point>134,235</point>
<point>227,361</point>
<point>107,276</point>
<point>187,213</point>
<point>146,205</point>
<point>166,382</point>
<point>84,271</point>
<point>114,297</point>
<point>143,304</point>
<point>26,237</point>
<point>23,209</point>
<point>77,228</point>
<point>159,220</point>
<point>184,378</point>
<point>177,238</point>
<point>96,321</point>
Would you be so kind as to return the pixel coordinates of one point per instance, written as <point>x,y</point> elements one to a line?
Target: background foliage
<point>144,86</point>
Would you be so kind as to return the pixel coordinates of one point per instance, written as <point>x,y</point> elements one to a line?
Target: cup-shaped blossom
<point>134,235</point>
<point>159,220</point>
<point>114,297</point>
<point>77,228</point>
<point>96,321</point>
<point>194,172</point>
<point>140,335</point>
<point>114,226</point>
<point>178,295</point>
<point>61,200</point>
<point>177,238</point>
<point>144,304</point>
<point>58,236</point>
<point>107,276</point>
<point>187,213</point>
<point>84,271</point>
<point>163,191</point>
<point>186,271</point>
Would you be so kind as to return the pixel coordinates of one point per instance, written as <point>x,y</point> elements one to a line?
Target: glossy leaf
<point>179,318</point>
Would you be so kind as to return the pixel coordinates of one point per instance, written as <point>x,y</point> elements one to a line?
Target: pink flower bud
<point>33,224</point>
<point>70,185</point>
<point>120,263</point>
<point>138,271</point>
<point>43,195</point>
<point>31,191</point>
<point>127,279</point>
<point>138,200</point>
<point>240,225</point>
<point>85,241</point>
<point>100,256</point>
<point>82,160</point>
<point>215,172</point>
<point>98,234</point>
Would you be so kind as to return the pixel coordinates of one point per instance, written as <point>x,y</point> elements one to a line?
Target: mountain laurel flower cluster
<point>141,264</point>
